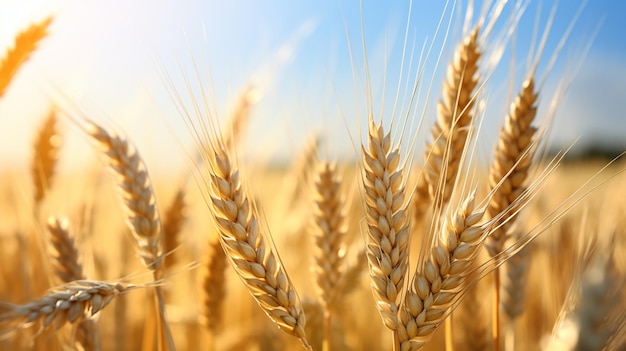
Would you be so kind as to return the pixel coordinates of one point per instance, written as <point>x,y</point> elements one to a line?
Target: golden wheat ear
<point>68,268</point>
<point>247,247</point>
<point>437,284</point>
<point>512,162</point>
<point>330,230</point>
<point>69,303</point>
<point>173,221</point>
<point>46,153</point>
<point>133,182</point>
<point>25,43</point>
<point>142,215</point>
<point>387,241</point>
<point>213,292</point>
<point>508,177</point>
<point>329,235</point>
<point>449,136</point>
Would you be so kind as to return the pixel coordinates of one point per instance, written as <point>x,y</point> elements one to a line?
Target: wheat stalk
<point>25,43</point>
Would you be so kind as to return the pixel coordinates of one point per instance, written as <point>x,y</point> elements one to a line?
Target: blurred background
<point>112,61</point>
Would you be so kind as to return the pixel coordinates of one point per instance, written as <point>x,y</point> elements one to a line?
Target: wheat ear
<point>436,286</point>
<point>173,221</point>
<point>65,259</point>
<point>45,158</point>
<point>142,215</point>
<point>71,303</point>
<point>240,116</point>
<point>514,286</point>
<point>213,288</point>
<point>509,171</point>
<point>68,268</point>
<point>450,133</point>
<point>302,172</point>
<point>246,247</point>
<point>330,230</point>
<point>25,43</point>
<point>387,221</point>
<point>134,184</point>
<point>513,158</point>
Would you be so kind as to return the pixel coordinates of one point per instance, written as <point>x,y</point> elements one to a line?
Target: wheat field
<point>418,241</point>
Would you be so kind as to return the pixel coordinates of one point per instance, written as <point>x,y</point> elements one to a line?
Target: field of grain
<point>405,246</point>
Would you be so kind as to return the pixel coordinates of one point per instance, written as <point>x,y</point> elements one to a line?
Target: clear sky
<point>109,58</point>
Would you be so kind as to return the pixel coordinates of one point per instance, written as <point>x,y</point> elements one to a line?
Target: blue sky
<point>109,58</point>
